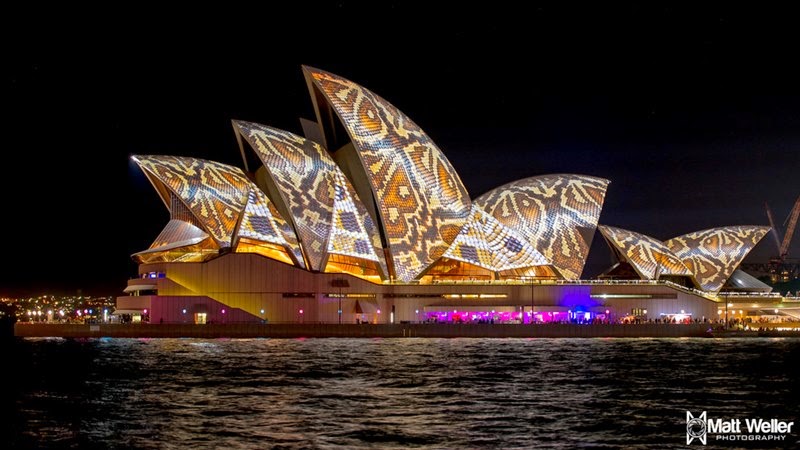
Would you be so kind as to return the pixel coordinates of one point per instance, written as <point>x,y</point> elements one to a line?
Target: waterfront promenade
<point>433,330</point>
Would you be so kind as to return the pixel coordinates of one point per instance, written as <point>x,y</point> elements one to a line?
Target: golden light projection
<point>487,243</point>
<point>364,269</point>
<point>272,251</point>
<point>206,195</point>
<point>556,214</point>
<point>353,232</point>
<point>447,269</point>
<point>325,209</point>
<point>413,208</point>
<point>179,241</point>
<point>215,193</point>
<point>263,225</point>
<point>649,257</point>
<point>712,255</point>
<point>421,201</point>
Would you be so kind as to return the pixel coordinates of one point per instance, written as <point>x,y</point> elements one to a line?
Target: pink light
<point>379,311</point>
<point>145,310</point>
<point>223,311</point>
<point>86,311</point>
<point>301,311</point>
<point>606,311</point>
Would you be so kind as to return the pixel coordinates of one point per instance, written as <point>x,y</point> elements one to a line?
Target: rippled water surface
<point>388,393</point>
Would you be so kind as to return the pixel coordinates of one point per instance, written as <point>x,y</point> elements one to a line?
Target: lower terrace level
<point>248,288</point>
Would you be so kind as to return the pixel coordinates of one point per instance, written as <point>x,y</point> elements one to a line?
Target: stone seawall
<point>358,331</point>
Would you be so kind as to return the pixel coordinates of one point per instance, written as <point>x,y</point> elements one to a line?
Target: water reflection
<point>385,393</point>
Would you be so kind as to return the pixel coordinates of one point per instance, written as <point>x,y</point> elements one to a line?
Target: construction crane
<point>781,268</point>
<point>790,224</point>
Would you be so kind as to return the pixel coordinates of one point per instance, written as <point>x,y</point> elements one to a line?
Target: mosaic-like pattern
<point>215,193</point>
<point>712,255</point>
<point>421,200</point>
<point>353,232</point>
<point>262,222</point>
<point>487,243</point>
<point>553,213</point>
<point>650,257</point>
<point>326,212</point>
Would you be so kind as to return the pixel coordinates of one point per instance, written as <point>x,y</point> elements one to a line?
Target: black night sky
<point>693,114</point>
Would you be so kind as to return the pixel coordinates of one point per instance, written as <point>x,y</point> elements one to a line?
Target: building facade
<point>364,219</point>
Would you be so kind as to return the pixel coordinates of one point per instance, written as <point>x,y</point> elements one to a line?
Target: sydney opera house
<point>363,219</point>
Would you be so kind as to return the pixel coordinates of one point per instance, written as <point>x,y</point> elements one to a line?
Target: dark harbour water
<point>389,393</point>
